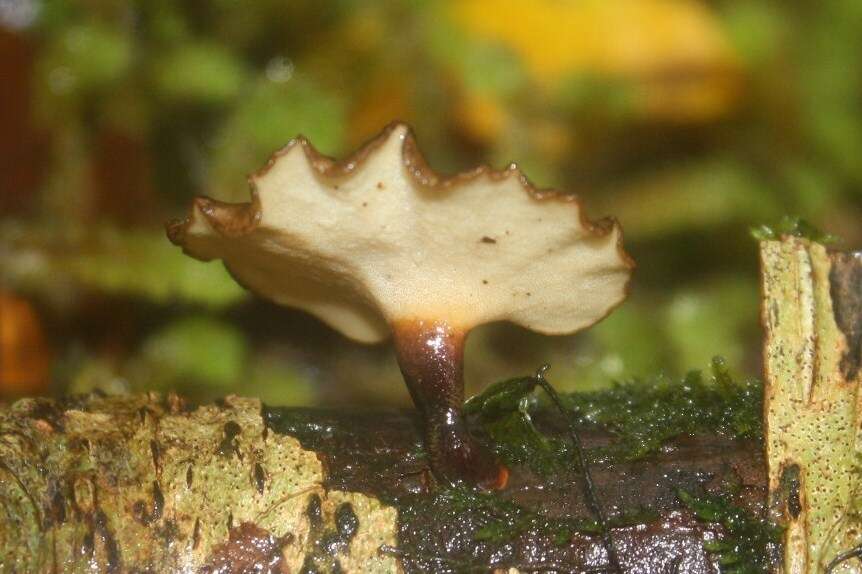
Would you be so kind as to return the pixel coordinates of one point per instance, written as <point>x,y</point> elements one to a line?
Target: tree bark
<point>150,484</point>
<point>812,317</point>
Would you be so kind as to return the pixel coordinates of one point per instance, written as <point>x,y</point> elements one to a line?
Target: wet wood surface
<point>149,483</point>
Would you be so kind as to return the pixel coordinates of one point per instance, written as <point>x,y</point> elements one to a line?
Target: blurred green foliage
<point>195,348</point>
<point>61,265</point>
<point>726,115</point>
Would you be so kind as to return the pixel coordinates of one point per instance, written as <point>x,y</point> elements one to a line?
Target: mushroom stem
<point>431,357</point>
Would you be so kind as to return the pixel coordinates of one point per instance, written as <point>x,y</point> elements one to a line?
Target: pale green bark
<point>812,404</point>
<point>141,484</point>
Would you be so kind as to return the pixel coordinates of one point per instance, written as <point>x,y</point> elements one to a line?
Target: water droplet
<point>279,69</point>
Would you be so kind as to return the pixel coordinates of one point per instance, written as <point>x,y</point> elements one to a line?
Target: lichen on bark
<point>138,483</point>
<point>811,320</point>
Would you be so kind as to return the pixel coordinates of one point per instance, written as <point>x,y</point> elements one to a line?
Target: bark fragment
<point>104,489</point>
<point>812,307</point>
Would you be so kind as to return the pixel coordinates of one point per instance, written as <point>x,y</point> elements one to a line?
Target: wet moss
<point>504,413</point>
<point>642,414</point>
<point>750,544</point>
<point>491,518</point>
<point>473,524</point>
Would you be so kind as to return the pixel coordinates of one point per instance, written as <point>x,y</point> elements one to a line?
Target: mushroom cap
<point>379,238</point>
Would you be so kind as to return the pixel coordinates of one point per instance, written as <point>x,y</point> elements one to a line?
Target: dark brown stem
<point>431,357</point>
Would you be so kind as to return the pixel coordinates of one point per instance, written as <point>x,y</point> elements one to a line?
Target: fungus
<point>379,244</point>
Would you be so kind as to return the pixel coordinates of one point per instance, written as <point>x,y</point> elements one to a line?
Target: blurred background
<point>689,120</point>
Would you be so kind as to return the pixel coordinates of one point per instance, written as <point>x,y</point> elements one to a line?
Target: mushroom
<point>380,244</point>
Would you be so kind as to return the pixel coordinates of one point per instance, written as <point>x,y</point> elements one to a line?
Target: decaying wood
<point>812,316</point>
<point>137,484</point>
<point>148,484</point>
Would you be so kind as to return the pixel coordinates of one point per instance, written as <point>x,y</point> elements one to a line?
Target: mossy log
<point>150,484</point>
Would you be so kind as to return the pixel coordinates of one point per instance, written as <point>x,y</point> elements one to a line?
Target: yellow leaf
<point>673,50</point>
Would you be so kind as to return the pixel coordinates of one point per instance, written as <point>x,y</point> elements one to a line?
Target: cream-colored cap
<point>380,238</point>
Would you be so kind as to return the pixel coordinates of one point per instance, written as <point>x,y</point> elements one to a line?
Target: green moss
<point>504,413</point>
<point>642,414</point>
<point>462,530</point>
<point>794,226</point>
<point>646,414</point>
<point>516,441</point>
<point>750,543</point>
<point>500,520</point>
<point>488,517</point>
